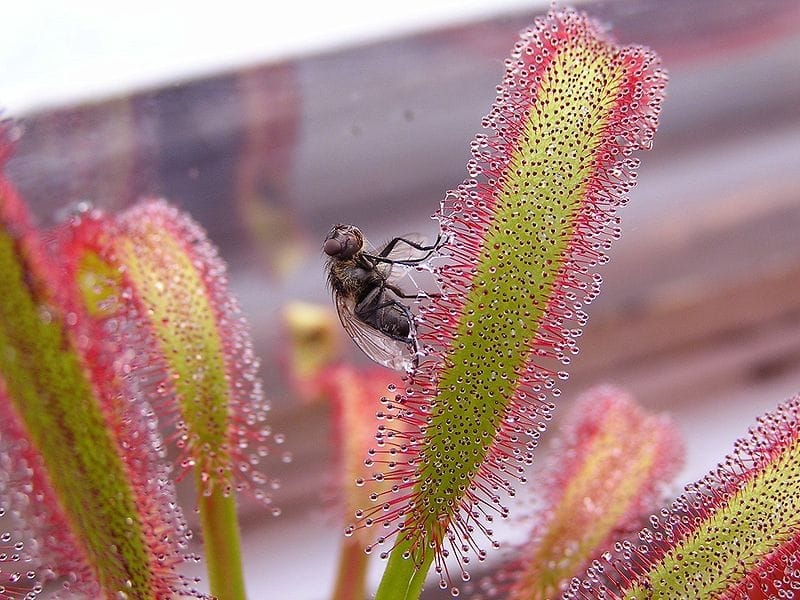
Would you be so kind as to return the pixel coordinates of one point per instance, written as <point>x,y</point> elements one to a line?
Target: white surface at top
<point>54,52</point>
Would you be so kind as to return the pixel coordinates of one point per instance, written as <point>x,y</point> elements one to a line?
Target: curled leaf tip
<point>734,534</point>
<point>524,235</point>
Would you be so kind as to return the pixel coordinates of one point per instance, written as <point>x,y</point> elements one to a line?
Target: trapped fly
<point>367,297</point>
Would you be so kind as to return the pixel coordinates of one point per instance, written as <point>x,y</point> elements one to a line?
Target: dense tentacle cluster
<point>605,473</point>
<point>83,463</point>
<point>194,357</point>
<point>524,234</point>
<point>733,534</point>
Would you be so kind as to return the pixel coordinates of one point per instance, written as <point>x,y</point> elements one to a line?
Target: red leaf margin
<point>465,217</point>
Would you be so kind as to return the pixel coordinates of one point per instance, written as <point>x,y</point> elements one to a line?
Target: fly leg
<point>390,246</point>
<point>383,255</point>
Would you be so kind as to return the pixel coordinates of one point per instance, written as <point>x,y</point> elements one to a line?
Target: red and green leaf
<point>733,534</point>
<point>194,361</point>
<point>606,472</point>
<point>524,235</point>
<point>198,369</point>
<point>84,459</point>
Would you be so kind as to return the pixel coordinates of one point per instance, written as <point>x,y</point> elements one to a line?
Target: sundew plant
<point>126,365</point>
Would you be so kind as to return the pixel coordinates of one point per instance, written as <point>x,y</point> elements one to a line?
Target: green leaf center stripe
<point>49,389</point>
<point>523,252</point>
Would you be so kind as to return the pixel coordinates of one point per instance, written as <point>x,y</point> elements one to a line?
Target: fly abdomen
<point>394,321</point>
<point>381,311</point>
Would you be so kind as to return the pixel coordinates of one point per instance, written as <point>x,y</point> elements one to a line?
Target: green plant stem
<point>221,543</point>
<point>352,571</point>
<point>403,579</point>
<point>418,581</point>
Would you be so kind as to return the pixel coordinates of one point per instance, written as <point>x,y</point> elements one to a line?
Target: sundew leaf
<point>196,362</point>
<point>525,233</point>
<point>734,534</point>
<point>605,474</point>
<point>84,464</point>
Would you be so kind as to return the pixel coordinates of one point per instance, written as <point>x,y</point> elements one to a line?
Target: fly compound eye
<point>332,247</point>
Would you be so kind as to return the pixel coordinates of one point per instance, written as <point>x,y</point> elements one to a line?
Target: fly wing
<point>384,350</point>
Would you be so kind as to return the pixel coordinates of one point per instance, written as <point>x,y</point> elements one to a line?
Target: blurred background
<point>270,126</point>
